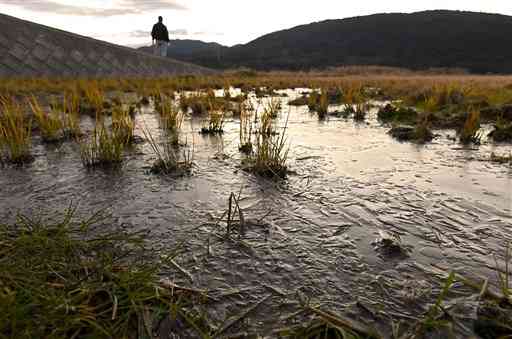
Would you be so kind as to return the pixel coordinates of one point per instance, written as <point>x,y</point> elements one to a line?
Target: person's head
<point>160,19</point>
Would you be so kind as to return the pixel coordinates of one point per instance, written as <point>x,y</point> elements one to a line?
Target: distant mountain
<point>478,42</point>
<point>205,52</point>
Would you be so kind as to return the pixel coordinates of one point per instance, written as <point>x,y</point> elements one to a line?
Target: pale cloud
<point>120,7</point>
<point>144,34</point>
<point>228,22</point>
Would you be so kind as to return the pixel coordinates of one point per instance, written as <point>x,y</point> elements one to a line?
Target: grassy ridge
<point>70,278</point>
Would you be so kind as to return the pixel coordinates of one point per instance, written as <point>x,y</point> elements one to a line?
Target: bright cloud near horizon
<point>229,22</point>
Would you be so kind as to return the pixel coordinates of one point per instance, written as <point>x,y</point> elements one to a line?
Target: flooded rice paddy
<point>315,235</point>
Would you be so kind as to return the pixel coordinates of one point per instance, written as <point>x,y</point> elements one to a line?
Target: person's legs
<point>163,49</point>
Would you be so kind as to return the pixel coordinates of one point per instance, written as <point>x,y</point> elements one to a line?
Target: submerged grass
<point>70,278</point>
<point>15,132</point>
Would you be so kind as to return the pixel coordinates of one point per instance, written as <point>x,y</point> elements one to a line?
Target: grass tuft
<point>105,149</point>
<point>123,125</point>
<point>470,132</point>
<point>271,153</point>
<point>168,159</point>
<point>215,123</point>
<point>246,129</point>
<point>502,131</point>
<point>15,133</point>
<point>50,123</point>
<point>69,278</point>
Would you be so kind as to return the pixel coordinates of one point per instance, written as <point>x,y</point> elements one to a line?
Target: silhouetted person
<point>160,37</point>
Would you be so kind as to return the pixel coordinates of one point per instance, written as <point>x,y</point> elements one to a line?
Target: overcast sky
<point>229,22</point>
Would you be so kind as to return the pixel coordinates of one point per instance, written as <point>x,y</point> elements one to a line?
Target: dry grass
<point>398,84</point>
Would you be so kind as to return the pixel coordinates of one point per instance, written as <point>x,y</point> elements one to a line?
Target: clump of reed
<point>355,102</point>
<point>71,109</point>
<point>303,100</point>
<point>77,278</point>
<point>420,133</point>
<point>94,98</point>
<point>440,96</point>
<point>312,101</point>
<point>15,133</point>
<point>169,160</point>
<point>502,131</point>
<point>265,121</point>
<point>246,129</point>
<point>215,122</point>
<point>104,149</point>
<point>123,125</point>
<point>271,153</point>
<point>470,132</point>
<point>263,92</point>
<point>501,159</point>
<point>184,103</point>
<point>198,103</point>
<point>393,113</point>
<point>50,123</point>
<point>273,107</point>
<point>319,103</point>
<point>171,119</point>
<point>170,115</point>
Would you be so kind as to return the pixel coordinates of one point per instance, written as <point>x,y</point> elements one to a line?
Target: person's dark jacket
<point>160,32</point>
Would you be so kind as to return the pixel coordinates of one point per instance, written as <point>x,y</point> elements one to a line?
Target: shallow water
<point>312,234</point>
